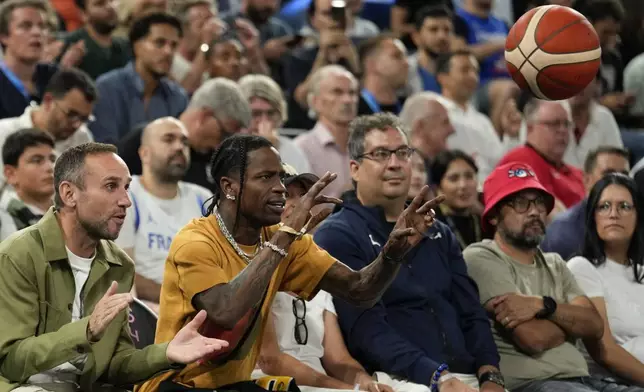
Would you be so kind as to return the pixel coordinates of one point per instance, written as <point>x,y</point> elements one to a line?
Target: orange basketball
<point>553,51</point>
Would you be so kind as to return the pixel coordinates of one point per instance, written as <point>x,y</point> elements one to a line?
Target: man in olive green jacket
<point>64,289</point>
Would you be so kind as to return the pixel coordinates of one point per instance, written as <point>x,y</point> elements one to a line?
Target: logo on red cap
<point>520,172</point>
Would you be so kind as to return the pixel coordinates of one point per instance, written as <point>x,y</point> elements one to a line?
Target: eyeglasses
<point>383,154</point>
<point>522,204</point>
<point>623,208</point>
<point>301,330</point>
<point>74,117</point>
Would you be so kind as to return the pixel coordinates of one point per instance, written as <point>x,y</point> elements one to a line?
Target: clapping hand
<point>106,310</point>
<point>411,225</point>
<point>74,54</point>
<point>189,346</point>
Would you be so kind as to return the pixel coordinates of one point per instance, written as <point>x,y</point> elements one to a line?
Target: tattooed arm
<point>228,303</point>
<point>579,319</point>
<point>365,287</point>
<point>360,288</point>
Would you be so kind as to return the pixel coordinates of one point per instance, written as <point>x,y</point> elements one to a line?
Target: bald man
<point>428,124</point>
<point>161,204</point>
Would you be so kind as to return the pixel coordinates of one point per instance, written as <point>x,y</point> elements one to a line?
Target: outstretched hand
<point>189,346</point>
<point>300,215</point>
<point>412,225</point>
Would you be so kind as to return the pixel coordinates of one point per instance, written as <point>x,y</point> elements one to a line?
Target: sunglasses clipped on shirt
<point>301,331</point>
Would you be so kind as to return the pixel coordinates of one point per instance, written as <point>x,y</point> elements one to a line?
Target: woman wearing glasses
<point>454,175</point>
<point>610,272</point>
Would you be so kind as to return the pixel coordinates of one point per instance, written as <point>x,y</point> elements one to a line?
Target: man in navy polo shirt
<point>429,327</point>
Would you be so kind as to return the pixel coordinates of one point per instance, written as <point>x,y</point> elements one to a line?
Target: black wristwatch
<point>493,376</point>
<point>549,308</point>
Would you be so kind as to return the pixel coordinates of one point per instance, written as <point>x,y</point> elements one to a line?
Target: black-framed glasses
<point>522,204</point>
<point>301,331</point>
<point>623,208</point>
<point>73,117</point>
<point>383,154</point>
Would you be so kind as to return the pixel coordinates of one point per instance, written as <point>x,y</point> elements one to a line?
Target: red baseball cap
<point>507,180</point>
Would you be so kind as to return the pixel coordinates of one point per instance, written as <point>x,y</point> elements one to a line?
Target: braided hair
<point>231,157</point>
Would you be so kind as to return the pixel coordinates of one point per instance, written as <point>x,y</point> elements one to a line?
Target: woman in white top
<point>610,272</point>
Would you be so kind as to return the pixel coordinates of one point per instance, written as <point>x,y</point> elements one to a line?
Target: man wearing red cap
<point>537,309</point>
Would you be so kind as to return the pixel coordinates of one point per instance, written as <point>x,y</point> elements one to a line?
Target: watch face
<point>494,377</point>
<point>497,379</point>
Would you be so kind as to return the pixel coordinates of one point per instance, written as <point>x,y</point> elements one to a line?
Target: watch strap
<point>549,308</point>
<point>492,376</point>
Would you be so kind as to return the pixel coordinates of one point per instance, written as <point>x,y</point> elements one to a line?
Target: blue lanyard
<point>373,104</point>
<point>17,83</point>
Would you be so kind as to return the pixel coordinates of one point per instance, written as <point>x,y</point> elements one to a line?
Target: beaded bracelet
<point>436,376</point>
<point>275,248</point>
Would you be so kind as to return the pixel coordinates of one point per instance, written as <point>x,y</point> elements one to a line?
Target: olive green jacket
<point>36,295</point>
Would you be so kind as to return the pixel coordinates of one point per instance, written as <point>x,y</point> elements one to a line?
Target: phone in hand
<point>339,13</point>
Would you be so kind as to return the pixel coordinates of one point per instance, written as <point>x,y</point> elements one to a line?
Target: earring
<point>230,197</point>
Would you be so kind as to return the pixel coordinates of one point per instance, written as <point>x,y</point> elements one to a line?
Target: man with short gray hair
<point>333,96</point>
<point>217,110</point>
<point>428,124</point>
<point>429,327</point>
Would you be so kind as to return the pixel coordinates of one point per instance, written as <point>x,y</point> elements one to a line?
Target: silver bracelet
<point>275,248</point>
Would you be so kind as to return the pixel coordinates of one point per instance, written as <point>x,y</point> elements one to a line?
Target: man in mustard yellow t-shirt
<point>232,262</point>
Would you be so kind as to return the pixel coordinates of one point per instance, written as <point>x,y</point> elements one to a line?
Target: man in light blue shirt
<point>140,91</point>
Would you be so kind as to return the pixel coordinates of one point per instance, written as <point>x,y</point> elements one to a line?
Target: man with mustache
<point>103,51</point>
<point>161,204</point>
<point>537,310</point>
<point>140,91</point>
<point>65,288</point>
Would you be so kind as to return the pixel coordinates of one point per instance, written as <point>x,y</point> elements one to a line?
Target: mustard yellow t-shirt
<point>201,257</point>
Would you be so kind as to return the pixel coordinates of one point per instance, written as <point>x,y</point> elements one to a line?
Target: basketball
<point>552,51</point>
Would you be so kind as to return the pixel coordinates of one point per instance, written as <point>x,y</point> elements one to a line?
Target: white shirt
<point>151,224</point>
<point>14,124</point>
<point>293,155</point>
<point>68,372</point>
<point>284,319</point>
<point>475,135</point>
<point>181,68</point>
<point>624,298</point>
<point>602,130</point>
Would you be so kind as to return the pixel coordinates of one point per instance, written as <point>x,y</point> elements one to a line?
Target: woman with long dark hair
<point>454,174</point>
<point>610,272</point>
